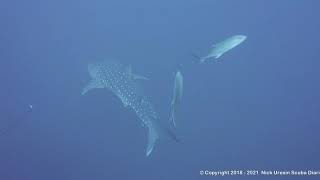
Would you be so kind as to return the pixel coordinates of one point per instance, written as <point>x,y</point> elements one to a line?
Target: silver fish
<point>217,50</point>
<point>177,96</point>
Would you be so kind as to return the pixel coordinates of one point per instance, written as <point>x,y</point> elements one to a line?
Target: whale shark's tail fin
<point>157,130</point>
<point>152,138</point>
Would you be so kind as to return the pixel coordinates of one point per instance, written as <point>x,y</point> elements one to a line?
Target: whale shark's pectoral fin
<point>135,76</point>
<point>139,77</point>
<point>92,85</point>
<point>152,138</point>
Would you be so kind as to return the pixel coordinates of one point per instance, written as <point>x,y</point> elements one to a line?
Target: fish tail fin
<point>198,58</point>
<point>154,131</point>
<point>172,115</point>
<point>170,133</point>
<point>152,138</point>
<point>91,85</point>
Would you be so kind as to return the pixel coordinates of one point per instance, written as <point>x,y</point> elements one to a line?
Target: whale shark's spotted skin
<point>117,79</point>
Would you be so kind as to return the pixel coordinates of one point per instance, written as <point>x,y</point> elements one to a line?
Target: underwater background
<point>257,109</point>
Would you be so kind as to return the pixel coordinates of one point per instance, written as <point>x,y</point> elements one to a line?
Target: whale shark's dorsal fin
<point>138,77</point>
<point>135,76</point>
<point>129,69</point>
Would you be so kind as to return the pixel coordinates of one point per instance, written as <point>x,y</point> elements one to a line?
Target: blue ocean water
<point>258,109</point>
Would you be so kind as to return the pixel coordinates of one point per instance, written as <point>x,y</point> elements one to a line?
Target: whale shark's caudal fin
<point>159,130</point>
<point>156,130</point>
<point>91,85</point>
<point>152,138</point>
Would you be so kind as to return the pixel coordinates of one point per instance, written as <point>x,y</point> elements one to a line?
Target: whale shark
<point>119,79</point>
<point>217,50</point>
<point>177,96</point>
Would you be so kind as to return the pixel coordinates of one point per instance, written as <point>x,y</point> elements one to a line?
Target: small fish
<point>217,50</point>
<point>30,107</point>
<point>177,96</point>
